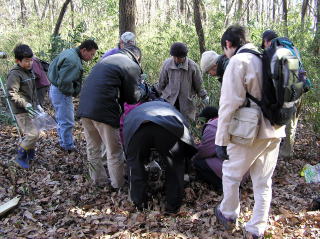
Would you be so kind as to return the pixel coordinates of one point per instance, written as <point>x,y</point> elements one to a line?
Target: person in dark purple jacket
<point>206,163</point>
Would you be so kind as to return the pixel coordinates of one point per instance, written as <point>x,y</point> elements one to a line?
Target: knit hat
<point>208,59</point>
<point>268,35</point>
<point>128,38</point>
<point>179,49</point>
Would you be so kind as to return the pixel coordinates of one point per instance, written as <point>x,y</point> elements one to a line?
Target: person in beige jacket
<point>180,80</point>
<point>244,74</point>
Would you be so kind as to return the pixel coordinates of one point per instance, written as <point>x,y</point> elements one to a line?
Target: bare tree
<point>60,18</point>
<point>44,12</point>
<point>316,40</point>
<point>36,7</point>
<point>198,25</point>
<point>303,11</point>
<point>23,10</point>
<point>127,16</point>
<point>285,17</point>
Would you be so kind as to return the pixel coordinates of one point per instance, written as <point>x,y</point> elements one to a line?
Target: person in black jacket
<point>157,125</point>
<point>112,81</point>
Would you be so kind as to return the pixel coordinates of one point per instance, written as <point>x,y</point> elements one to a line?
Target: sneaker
<point>21,158</point>
<point>229,224</point>
<point>249,235</point>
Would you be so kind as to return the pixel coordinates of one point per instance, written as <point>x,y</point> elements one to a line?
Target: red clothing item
<point>41,76</point>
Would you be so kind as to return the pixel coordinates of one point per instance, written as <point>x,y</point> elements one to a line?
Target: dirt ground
<point>58,201</point>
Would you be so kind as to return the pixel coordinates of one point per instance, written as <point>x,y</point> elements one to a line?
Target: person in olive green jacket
<point>65,75</point>
<point>22,92</point>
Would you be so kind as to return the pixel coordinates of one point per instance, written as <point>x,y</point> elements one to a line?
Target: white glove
<point>205,100</point>
<point>40,109</point>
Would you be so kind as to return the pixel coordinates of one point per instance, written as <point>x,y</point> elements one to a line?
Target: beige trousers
<point>261,159</point>
<point>96,134</point>
<point>31,133</point>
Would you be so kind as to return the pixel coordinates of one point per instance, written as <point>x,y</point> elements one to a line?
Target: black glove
<point>221,152</point>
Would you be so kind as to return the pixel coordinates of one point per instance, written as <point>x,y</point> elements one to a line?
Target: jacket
<point>181,84</point>
<point>111,82</point>
<point>243,74</point>
<point>21,88</point>
<point>162,114</point>
<point>65,72</point>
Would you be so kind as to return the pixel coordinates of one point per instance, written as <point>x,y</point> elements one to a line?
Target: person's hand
<point>221,152</point>
<point>40,109</point>
<point>205,101</point>
<point>30,110</point>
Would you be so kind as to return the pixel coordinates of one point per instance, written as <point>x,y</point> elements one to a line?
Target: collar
<point>185,65</point>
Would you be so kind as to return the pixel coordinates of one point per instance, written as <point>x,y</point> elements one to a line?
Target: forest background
<point>49,26</point>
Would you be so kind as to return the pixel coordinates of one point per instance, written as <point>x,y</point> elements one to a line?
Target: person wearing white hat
<point>209,62</point>
<point>126,39</point>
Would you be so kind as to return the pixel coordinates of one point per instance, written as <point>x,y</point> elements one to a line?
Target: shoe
<point>30,154</point>
<point>229,224</point>
<point>249,235</point>
<point>21,158</point>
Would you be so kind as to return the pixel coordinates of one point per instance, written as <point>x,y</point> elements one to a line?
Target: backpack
<point>284,81</point>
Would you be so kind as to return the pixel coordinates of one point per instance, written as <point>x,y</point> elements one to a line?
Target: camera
<point>3,55</point>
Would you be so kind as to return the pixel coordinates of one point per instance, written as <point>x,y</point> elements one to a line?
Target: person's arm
<point>163,79</point>
<point>197,82</point>
<point>69,72</point>
<point>13,88</point>
<point>233,95</point>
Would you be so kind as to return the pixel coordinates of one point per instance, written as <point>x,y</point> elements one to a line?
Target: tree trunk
<point>60,18</point>
<point>23,10</point>
<point>168,14</point>
<point>239,11</point>
<point>285,17</point>
<point>203,11</point>
<point>36,7</point>
<point>198,25</point>
<point>316,40</point>
<point>127,16</point>
<point>44,12</point>
<point>303,12</point>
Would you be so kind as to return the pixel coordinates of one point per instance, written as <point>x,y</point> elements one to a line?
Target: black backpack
<point>284,81</point>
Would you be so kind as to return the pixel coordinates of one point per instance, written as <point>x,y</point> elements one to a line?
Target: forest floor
<point>58,201</point>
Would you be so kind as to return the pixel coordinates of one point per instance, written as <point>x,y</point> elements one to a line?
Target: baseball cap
<point>128,38</point>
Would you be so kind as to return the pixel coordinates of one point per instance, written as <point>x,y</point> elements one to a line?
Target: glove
<point>205,100</point>
<point>31,111</point>
<point>40,109</point>
<point>221,152</point>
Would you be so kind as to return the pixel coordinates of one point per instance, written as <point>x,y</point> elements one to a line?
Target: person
<point>244,74</point>
<point>42,82</point>
<point>111,82</point>
<point>207,165</point>
<point>22,92</point>
<point>65,74</point>
<point>286,146</point>
<point>180,79</point>
<point>126,39</point>
<point>157,125</point>
<point>213,64</point>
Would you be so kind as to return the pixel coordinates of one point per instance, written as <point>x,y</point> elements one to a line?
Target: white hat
<point>208,59</point>
<point>128,38</point>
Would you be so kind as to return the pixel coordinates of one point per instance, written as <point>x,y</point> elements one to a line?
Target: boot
<point>30,154</point>
<point>21,158</point>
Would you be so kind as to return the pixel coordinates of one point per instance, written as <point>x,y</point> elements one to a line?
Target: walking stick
<point>3,55</point>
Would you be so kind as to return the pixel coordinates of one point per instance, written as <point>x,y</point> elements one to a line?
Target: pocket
<point>244,126</point>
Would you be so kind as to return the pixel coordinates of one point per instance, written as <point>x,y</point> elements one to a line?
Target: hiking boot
<point>249,235</point>
<point>30,154</point>
<point>229,224</point>
<point>21,158</point>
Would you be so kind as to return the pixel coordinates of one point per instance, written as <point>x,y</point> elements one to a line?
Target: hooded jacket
<point>21,88</point>
<point>111,82</point>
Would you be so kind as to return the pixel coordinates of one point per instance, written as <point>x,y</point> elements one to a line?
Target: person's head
<point>208,113</point>
<point>208,62</point>
<point>88,49</point>
<point>267,38</point>
<point>127,39</point>
<point>179,52</point>
<point>134,50</point>
<point>23,55</point>
<point>232,39</point>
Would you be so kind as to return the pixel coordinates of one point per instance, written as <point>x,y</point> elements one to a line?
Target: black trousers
<point>172,150</point>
